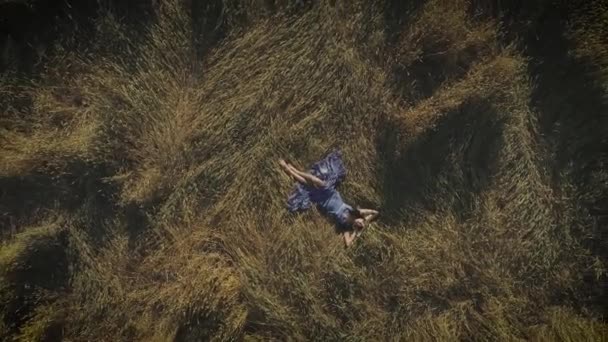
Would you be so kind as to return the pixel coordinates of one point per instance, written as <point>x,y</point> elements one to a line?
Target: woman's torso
<point>334,206</point>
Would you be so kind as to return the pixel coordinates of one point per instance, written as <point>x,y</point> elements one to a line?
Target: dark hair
<point>356,213</point>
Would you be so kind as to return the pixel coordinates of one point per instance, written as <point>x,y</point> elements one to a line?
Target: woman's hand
<point>349,238</point>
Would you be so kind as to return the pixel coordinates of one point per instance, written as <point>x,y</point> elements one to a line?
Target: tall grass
<point>177,229</point>
<point>588,32</point>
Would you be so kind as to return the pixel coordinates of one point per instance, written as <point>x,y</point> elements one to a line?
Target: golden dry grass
<point>588,33</point>
<point>173,221</point>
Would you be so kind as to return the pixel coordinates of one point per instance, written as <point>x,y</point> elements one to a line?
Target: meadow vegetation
<point>141,197</point>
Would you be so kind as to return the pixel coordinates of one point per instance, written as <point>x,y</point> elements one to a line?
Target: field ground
<point>140,196</point>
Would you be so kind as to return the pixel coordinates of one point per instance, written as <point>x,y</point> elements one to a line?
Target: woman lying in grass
<point>319,186</point>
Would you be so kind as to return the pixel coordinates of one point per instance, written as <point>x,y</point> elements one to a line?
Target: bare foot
<point>283,164</point>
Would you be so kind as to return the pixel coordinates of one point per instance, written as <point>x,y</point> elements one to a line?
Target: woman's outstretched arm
<point>369,214</point>
<point>349,237</point>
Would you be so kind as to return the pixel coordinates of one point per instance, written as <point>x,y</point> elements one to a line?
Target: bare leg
<point>290,172</point>
<point>311,179</point>
<point>302,177</point>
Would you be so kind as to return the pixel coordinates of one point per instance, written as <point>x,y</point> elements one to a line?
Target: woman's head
<point>358,220</point>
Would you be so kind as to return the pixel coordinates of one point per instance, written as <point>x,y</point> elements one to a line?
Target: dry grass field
<point>141,199</point>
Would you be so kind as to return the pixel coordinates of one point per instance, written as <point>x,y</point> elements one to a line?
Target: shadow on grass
<point>437,61</point>
<point>397,14</point>
<point>209,25</point>
<point>570,102</point>
<point>444,168</point>
<point>23,200</point>
<point>571,109</point>
<point>573,119</point>
<point>45,268</point>
<point>424,76</point>
<point>199,327</point>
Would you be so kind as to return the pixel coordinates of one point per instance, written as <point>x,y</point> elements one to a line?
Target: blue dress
<point>331,170</point>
